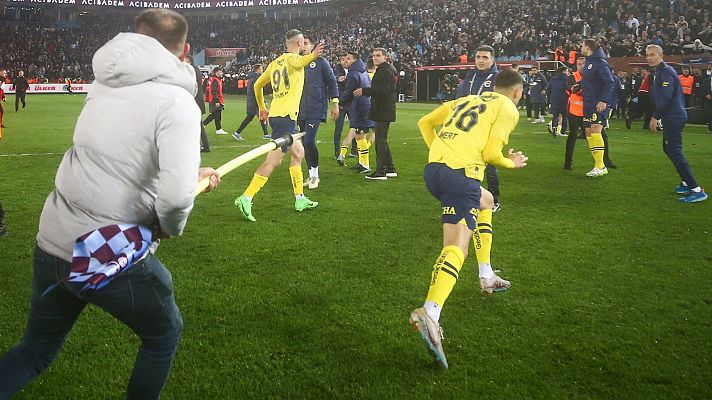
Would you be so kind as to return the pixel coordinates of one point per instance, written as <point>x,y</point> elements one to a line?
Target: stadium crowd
<point>430,33</point>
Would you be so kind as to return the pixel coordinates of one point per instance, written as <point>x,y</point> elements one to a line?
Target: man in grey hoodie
<point>138,171</point>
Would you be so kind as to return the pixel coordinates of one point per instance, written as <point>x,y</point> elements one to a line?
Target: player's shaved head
<point>166,26</point>
<point>509,83</point>
<point>292,35</point>
<point>508,79</point>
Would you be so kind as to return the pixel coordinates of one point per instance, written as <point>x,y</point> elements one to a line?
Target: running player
<point>474,131</point>
<point>286,75</point>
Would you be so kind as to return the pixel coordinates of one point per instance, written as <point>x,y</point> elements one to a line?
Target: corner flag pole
<point>228,167</point>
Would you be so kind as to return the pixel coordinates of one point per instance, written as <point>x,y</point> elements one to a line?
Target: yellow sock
<point>295,172</point>
<point>255,185</point>
<point>482,238</point>
<point>558,129</point>
<point>596,145</point>
<point>363,153</point>
<point>445,273</point>
<point>344,150</point>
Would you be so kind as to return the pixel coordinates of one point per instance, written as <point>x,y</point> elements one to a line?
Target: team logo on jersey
<point>590,66</point>
<point>666,83</point>
<point>487,84</point>
<point>312,65</point>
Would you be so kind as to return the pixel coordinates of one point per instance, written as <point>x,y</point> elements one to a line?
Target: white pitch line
<point>31,154</point>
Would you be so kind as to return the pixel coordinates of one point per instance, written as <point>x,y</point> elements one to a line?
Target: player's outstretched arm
<point>428,123</point>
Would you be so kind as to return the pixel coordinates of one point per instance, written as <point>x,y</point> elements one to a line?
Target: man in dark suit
<point>199,98</point>
<point>21,86</point>
<point>383,92</point>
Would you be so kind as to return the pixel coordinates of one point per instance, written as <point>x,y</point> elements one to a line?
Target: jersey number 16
<point>470,116</point>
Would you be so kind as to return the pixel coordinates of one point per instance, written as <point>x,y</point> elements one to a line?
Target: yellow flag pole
<point>228,167</point>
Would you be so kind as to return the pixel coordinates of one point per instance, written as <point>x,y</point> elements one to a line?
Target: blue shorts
<point>594,118</point>
<point>459,194</point>
<point>282,126</point>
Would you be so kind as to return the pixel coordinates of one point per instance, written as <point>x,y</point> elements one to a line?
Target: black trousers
<point>247,120</point>
<point>384,159</point>
<point>528,105</point>
<point>2,214</point>
<point>642,108</point>
<point>575,126</point>
<point>621,111</point>
<point>217,117</point>
<point>708,112</point>
<point>538,107</point>
<point>492,181</point>
<point>204,144</point>
<point>20,97</point>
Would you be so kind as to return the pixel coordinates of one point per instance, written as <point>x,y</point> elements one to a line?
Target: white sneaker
<point>220,132</point>
<point>311,183</point>
<point>494,284</point>
<point>595,172</point>
<point>431,333</point>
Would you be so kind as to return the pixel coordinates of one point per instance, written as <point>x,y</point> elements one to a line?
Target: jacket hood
<point>358,66</point>
<point>598,54</point>
<point>132,58</point>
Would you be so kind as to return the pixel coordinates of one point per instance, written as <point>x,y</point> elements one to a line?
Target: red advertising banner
<point>226,52</point>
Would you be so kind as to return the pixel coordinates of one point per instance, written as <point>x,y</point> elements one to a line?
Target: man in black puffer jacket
<point>384,93</point>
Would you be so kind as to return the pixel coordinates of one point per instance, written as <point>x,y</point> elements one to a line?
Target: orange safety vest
<point>463,59</point>
<point>576,99</point>
<point>559,55</point>
<point>687,83</point>
<point>240,83</point>
<point>572,57</point>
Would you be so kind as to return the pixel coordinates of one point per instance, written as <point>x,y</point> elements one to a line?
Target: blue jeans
<point>141,297</point>
<point>672,146</point>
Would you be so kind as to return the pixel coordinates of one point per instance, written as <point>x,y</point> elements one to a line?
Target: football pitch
<point>611,292</point>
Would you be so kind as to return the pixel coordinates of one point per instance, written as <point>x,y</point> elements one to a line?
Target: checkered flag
<point>100,255</point>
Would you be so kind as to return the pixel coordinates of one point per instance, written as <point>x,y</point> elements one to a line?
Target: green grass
<point>611,293</point>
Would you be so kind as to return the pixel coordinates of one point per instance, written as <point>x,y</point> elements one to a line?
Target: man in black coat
<point>200,99</point>
<point>707,94</point>
<point>21,86</point>
<point>384,94</point>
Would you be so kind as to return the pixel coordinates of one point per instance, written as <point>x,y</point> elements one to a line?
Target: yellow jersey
<point>286,75</point>
<point>474,129</point>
